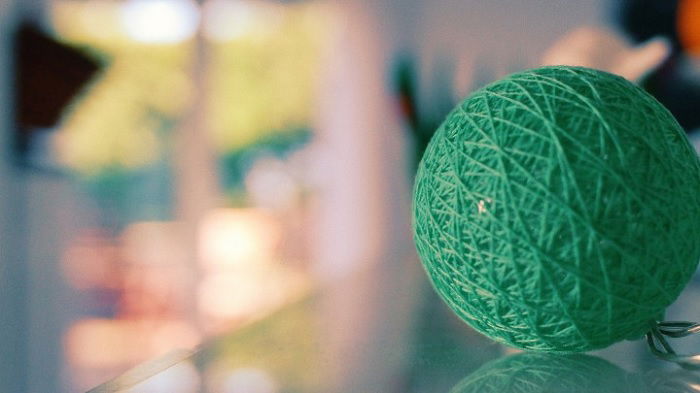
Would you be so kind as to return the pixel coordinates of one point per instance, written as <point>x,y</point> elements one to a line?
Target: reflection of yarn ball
<point>542,373</point>
<point>559,210</point>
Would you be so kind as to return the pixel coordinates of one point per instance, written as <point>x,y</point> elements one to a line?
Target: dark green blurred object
<point>422,120</point>
<point>235,165</point>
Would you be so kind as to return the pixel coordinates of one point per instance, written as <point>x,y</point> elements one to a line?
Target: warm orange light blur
<point>689,25</point>
<point>227,299</point>
<point>91,261</point>
<point>105,343</point>
<point>237,237</point>
<point>154,243</point>
<point>100,343</point>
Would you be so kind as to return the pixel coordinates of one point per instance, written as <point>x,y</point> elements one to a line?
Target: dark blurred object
<point>645,19</point>
<point>677,91</point>
<point>405,90</point>
<point>422,122</point>
<point>675,84</point>
<point>49,74</point>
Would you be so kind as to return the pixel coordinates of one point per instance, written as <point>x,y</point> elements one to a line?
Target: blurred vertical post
<point>363,249</point>
<point>196,181</point>
<point>13,340</point>
<point>33,223</point>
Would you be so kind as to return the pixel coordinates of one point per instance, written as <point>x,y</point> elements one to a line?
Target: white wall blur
<point>488,39</point>
<point>363,248</point>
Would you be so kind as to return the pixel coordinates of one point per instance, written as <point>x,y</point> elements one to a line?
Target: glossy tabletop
<point>360,334</point>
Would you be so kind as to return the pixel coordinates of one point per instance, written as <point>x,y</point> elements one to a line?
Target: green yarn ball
<point>543,373</point>
<point>558,210</point>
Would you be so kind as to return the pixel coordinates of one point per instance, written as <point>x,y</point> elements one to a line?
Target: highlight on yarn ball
<point>558,210</point>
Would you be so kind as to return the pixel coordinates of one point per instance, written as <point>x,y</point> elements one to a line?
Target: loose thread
<point>673,329</point>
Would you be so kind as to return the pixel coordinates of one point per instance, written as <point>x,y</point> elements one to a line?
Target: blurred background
<point>232,178</point>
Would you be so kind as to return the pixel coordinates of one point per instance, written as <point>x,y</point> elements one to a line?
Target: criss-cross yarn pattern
<point>558,210</point>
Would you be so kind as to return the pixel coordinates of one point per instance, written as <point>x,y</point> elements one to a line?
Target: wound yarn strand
<point>558,210</point>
